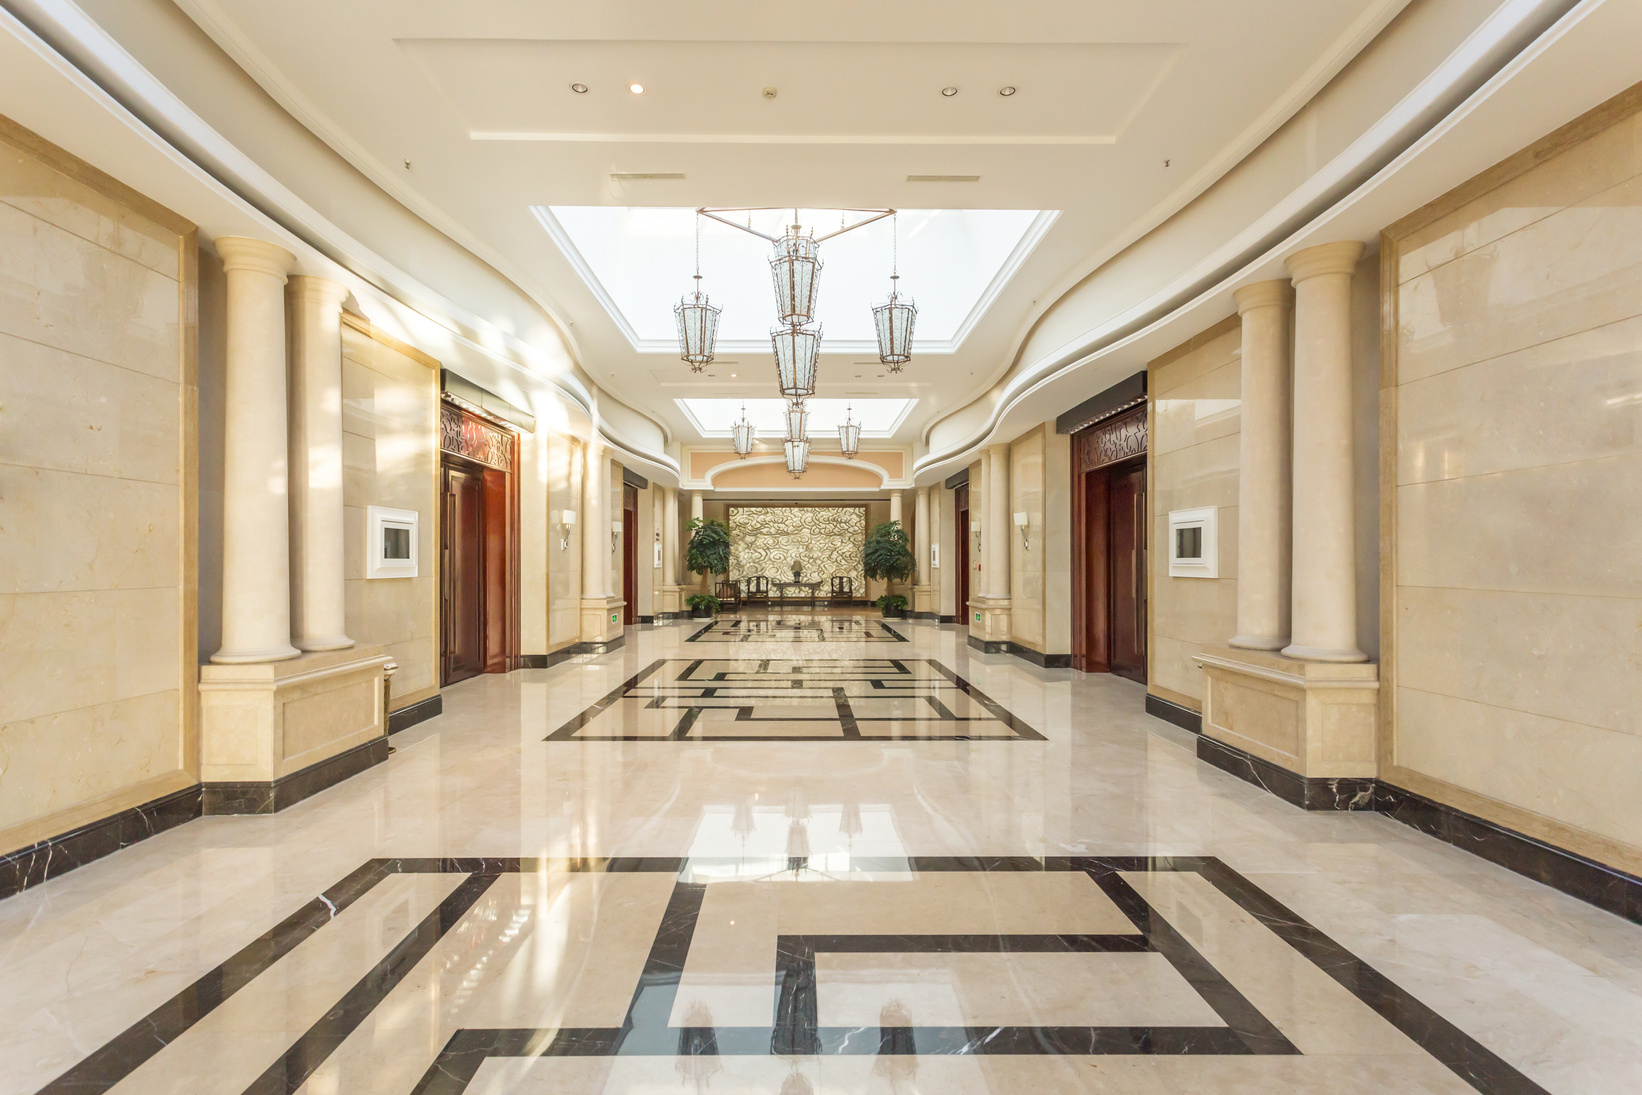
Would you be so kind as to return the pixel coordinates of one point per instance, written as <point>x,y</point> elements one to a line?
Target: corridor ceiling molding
<point>1106,93</point>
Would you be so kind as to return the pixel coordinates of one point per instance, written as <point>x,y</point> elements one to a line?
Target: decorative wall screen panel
<point>826,540</point>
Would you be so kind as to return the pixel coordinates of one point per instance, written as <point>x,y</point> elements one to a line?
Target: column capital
<point>1325,258</point>
<point>258,256</point>
<point>1000,449</point>
<point>1277,293</point>
<point>323,292</point>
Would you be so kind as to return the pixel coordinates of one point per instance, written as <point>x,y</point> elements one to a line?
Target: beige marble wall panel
<point>1569,528</point>
<point>390,408</point>
<point>34,187</point>
<point>57,761</point>
<point>1026,563</point>
<point>1573,270</point>
<point>1583,171</point>
<point>1577,774</point>
<point>533,541</point>
<point>1570,399</point>
<point>1577,658</point>
<point>1517,605</point>
<point>66,531</point>
<point>70,294</point>
<point>1195,423</point>
<point>564,554</point>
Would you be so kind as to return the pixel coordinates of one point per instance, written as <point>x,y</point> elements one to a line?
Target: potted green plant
<point>709,549</point>
<point>702,605</point>
<point>887,557</point>
<point>893,606</point>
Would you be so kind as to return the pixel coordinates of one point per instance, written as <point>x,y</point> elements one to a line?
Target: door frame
<point>485,447</point>
<point>961,542</point>
<point>630,553</point>
<point>1114,443</point>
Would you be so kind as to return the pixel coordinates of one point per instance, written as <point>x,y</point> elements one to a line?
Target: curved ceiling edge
<point>1509,33</point>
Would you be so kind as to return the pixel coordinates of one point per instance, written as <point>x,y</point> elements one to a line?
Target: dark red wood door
<point>498,523</point>
<point>1126,567</point>
<point>630,553</point>
<point>961,539</point>
<point>463,570</point>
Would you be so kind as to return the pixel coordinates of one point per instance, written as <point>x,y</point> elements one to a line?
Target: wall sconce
<point>567,521</point>
<point>975,530</point>
<point>615,535</point>
<point>658,551</point>
<point>1020,523</point>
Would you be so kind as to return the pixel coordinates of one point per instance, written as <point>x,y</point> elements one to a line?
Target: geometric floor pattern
<point>784,699</point>
<point>796,629</point>
<point>895,960</point>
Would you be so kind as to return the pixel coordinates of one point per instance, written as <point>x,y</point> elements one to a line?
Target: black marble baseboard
<point>545,661</point>
<point>924,616</point>
<point>1573,874</point>
<point>420,711</point>
<point>596,648</point>
<point>1047,661</point>
<point>988,647</point>
<point>947,619</point>
<point>254,797</point>
<point>1306,792</point>
<point>60,854</point>
<point>647,619</point>
<point>1183,717</point>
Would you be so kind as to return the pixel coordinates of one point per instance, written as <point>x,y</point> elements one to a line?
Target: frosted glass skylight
<point>878,417</point>
<point>638,261</point>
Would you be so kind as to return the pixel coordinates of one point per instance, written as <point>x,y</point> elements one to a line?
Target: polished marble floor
<point>1006,880</point>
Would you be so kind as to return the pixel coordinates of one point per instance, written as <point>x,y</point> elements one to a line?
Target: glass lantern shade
<point>849,438</point>
<point>697,328</point>
<point>795,353</point>
<point>742,434</point>
<point>798,422</point>
<point>796,270</point>
<point>894,319</point>
<point>798,457</point>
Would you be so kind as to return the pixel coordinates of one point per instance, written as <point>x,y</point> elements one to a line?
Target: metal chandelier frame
<point>877,215</point>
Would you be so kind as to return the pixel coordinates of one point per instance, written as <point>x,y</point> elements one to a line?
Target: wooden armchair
<point>842,591</point>
<point>729,594</point>
<point>756,590</point>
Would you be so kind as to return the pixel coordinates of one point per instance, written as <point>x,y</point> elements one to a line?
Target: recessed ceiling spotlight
<point>732,376</point>
<point>579,89</point>
<point>769,93</point>
<point>636,89</point>
<point>949,92</point>
<point>1006,92</point>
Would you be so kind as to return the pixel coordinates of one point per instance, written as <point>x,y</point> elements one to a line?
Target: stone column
<point>996,559</point>
<point>1264,536</point>
<point>595,521</point>
<point>256,531</point>
<point>700,580</point>
<point>318,616</point>
<point>669,536</point>
<point>895,506</point>
<point>922,596</point>
<point>1325,576</point>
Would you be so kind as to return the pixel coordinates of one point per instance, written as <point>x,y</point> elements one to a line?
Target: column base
<point>255,657</point>
<point>669,601</point>
<point>601,620</point>
<point>1323,654</point>
<point>262,725</point>
<point>1318,720</point>
<point>989,624</point>
<point>923,602</point>
<point>1258,642</point>
<point>314,646</point>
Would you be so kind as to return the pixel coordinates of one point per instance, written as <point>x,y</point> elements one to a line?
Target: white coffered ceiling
<point>463,109</point>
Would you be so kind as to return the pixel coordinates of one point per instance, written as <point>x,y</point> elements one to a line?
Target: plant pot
<point>894,613</point>
<point>701,612</point>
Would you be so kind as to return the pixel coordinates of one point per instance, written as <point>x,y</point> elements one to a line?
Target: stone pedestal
<point>601,624</point>
<point>1303,730</point>
<point>923,602</point>
<point>990,632</point>
<point>273,733</point>
<point>669,602</point>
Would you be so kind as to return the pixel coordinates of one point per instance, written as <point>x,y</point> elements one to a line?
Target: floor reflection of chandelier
<point>795,274</point>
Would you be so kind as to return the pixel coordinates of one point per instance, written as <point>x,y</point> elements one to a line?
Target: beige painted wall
<point>1514,534</point>
<point>1192,435</point>
<point>98,462</point>
<point>390,457</point>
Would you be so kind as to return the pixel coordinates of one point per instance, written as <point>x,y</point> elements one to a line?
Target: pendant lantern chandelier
<point>798,457</point>
<point>795,268</point>
<point>798,421</point>
<point>895,317</point>
<point>742,433</point>
<point>697,320</point>
<point>795,352</point>
<point>849,435</point>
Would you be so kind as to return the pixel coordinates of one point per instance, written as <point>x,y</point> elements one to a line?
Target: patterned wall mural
<point>825,539</point>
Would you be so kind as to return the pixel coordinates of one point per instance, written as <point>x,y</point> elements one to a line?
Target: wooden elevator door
<point>463,568</point>
<point>1126,562</point>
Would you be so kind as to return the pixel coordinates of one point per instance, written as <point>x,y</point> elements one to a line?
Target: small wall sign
<point>391,537</point>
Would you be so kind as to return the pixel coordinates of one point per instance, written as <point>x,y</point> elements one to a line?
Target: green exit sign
<point>613,617</point>
<point>977,617</point>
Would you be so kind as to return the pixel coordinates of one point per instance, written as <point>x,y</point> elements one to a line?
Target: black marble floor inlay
<point>794,1028</point>
<point>783,699</point>
<point>797,629</point>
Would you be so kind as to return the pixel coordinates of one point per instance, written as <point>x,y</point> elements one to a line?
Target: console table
<point>785,591</point>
